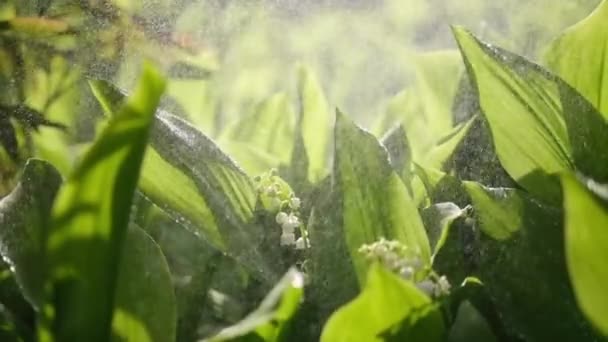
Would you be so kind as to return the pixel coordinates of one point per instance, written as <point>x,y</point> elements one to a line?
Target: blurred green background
<point>381,62</point>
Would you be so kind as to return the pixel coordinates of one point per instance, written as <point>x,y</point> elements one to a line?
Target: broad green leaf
<point>475,158</point>
<point>580,57</point>
<point>500,210</point>
<point>542,125</point>
<point>440,186</point>
<point>398,149</point>
<point>253,160</point>
<point>269,129</point>
<point>437,76</point>
<point>195,96</point>
<point>586,219</point>
<point>145,308</point>
<point>521,262</point>
<point>108,96</point>
<point>425,108</point>
<point>333,276</point>
<point>192,262</point>
<point>470,325</point>
<point>24,217</point>
<point>162,182</point>
<point>189,177</point>
<point>588,131</point>
<point>443,150</point>
<point>270,321</point>
<point>437,219</point>
<point>177,194</point>
<point>89,222</point>
<point>228,192</point>
<point>315,123</point>
<point>522,105</point>
<point>388,309</point>
<point>375,202</point>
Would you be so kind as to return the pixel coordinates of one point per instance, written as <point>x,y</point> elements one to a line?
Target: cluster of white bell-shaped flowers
<point>408,264</point>
<point>281,199</point>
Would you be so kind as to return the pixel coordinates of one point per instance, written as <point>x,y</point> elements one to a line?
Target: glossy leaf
<point>315,123</point>
<point>425,109</point>
<point>398,148</point>
<point>145,307</point>
<point>268,129</point>
<point>375,202</point>
<point>24,216</point>
<point>437,220</point>
<point>89,222</point>
<point>580,57</point>
<point>269,323</point>
<point>470,325</point>
<point>521,262</point>
<point>541,125</point>
<point>443,150</point>
<point>228,192</point>
<point>586,219</point>
<point>189,177</point>
<point>529,132</point>
<point>388,309</point>
<point>193,265</point>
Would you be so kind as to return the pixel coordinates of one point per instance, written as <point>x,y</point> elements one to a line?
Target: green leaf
<point>177,194</point>
<point>470,325</point>
<point>580,57</point>
<point>398,149</point>
<point>89,222</point>
<point>270,321</point>
<point>527,125</point>
<point>24,219</point>
<point>441,187</point>
<point>437,77</point>
<point>108,96</point>
<point>443,150</point>
<point>586,219</point>
<point>388,309</point>
<point>542,125</point>
<point>375,202</point>
<point>437,220</point>
<point>145,308</point>
<point>253,160</point>
<point>228,192</point>
<point>192,262</point>
<point>425,109</point>
<point>588,132</point>
<point>35,26</point>
<point>315,123</point>
<point>500,210</point>
<point>269,129</point>
<point>521,262</point>
<point>189,177</point>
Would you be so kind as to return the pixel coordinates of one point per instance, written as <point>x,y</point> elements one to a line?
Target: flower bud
<point>288,239</point>
<point>302,243</point>
<point>281,217</point>
<point>294,203</point>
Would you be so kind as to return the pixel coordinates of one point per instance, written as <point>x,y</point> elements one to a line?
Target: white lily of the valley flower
<point>288,239</point>
<point>426,286</point>
<point>407,272</point>
<point>281,217</point>
<point>291,223</point>
<point>443,287</point>
<point>302,243</point>
<point>294,203</point>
